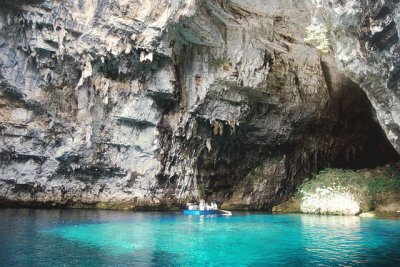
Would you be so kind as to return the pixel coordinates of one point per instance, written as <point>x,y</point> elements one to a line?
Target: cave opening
<point>359,140</point>
<point>255,168</point>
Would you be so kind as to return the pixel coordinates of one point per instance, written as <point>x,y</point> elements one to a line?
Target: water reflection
<point>341,239</point>
<point>335,222</point>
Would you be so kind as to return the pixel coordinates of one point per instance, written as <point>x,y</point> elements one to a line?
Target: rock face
<point>367,48</point>
<point>148,104</point>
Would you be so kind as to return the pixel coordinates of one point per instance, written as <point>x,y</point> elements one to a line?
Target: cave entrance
<point>357,140</point>
<point>252,169</point>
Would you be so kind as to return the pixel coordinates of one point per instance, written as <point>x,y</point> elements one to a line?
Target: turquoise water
<point>109,238</point>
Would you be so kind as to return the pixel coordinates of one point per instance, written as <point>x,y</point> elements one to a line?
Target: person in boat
<point>202,205</point>
<point>191,206</point>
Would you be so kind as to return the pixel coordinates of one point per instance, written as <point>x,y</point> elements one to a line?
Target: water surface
<point>110,238</point>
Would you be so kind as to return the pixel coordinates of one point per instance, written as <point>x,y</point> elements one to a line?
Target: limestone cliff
<point>365,37</point>
<point>148,103</point>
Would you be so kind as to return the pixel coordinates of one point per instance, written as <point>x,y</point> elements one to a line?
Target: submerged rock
<point>144,105</point>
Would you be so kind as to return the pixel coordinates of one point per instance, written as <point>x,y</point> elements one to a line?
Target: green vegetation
<point>389,181</point>
<point>219,62</point>
<point>333,178</point>
<point>369,188</point>
<point>332,182</point>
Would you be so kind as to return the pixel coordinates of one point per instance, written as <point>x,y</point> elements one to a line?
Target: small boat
<point>204,209</point>
<point>200,212</point>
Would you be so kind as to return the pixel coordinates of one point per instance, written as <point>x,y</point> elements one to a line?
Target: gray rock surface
<point>149,104</point>
<point>365,39</point>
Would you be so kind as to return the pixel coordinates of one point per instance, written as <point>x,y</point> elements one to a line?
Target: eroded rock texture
<point>366,44</point>
<point>148,104</point>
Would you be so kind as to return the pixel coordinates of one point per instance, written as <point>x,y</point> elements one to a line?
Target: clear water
<point>109,238</point>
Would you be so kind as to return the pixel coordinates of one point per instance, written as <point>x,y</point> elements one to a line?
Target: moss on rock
<point>348,192</point>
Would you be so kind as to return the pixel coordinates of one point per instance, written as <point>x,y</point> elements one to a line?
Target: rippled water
<point>109,238</point>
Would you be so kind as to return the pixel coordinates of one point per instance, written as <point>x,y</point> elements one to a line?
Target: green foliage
<point>382,184</point>
<point>338,180</point>
<point>332,177</point>
<point>219,62</point>
<point>365,188</point>
<point>393,172</point>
